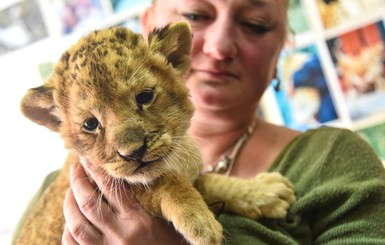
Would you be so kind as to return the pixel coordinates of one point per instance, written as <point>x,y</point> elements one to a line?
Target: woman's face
<point>236,44</point>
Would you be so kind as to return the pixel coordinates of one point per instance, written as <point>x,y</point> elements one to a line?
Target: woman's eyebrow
<point>264,4</point>
<point>258,2</point>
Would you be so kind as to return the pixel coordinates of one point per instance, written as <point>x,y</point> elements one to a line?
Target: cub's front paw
<point>200,227</point>
<point>267,195</point>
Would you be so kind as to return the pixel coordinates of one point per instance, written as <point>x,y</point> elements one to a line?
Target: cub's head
<point>120,101</point>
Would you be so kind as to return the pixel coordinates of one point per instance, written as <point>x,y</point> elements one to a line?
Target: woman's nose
<point>220,41</point>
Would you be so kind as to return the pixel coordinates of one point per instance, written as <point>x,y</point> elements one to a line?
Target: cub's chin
<point>136,172</point>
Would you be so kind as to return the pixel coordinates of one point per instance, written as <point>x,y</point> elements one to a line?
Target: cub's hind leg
<point>45,222</point>
<point>266,195</point>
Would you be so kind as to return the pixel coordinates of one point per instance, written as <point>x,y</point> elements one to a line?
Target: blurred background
<point>332,72</point>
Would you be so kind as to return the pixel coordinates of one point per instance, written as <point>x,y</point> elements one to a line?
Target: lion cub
<point>121,102</point>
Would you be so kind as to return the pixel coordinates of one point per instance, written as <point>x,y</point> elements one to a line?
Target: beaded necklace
<point>226,164</point>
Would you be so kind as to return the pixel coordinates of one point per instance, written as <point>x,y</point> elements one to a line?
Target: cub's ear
<point>174,42</point>
<point>38,105</point>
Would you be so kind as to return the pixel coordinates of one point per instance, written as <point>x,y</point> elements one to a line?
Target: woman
<point>340,183</point>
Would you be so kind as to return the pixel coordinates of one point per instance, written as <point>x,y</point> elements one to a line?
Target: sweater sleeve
<point>340,187</point>
<point>340,183</point>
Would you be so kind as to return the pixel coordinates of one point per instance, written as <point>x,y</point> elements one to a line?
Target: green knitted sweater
<point>340,187</point>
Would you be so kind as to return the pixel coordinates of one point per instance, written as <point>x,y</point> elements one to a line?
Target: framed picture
<point>297,17</point>
<point>132,23</point>
<point>359,59</point>
<point>339,12</point>
<point>75,16</point>
<point>21,23</point>
<point>120,6</point>
<point>374,135</point>
<point>304,98</point>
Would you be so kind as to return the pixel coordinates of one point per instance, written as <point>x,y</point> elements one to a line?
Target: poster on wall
<point>129,12</point>
<point>80,16</point>
<point>21,24</point>
<point>359,59</point>
<point>338,12</point>
<point>132,23</point>
<point>374,135</point>
<point>304,98</point>
<point>297,18</point>
<point>120,6</point>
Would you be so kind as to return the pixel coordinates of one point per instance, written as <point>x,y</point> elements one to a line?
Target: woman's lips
<point>215,73</point>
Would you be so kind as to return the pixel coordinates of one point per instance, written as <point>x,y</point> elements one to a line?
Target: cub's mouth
<point>141,164</point>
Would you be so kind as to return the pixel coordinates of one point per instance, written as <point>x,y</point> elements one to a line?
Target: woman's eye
<point>145,97</point>
<point>256,28</point>
<point>91,124</point>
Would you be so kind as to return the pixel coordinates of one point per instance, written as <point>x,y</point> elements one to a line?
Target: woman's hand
<point>113,217</point>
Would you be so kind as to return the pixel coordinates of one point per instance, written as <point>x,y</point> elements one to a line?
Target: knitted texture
<point>340,186</point>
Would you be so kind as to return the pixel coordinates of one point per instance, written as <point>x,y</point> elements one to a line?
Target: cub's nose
<point>136,155</point>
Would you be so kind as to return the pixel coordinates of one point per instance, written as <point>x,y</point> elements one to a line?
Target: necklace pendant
<point>209,169</point>
<point>222,165</point>
<point>226,165</point>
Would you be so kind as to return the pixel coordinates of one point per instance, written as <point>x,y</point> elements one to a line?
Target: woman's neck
<point>217,133</point>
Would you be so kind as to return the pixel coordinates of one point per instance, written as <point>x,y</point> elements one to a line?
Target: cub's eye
<point>145,97</point>
<point>91,124</point>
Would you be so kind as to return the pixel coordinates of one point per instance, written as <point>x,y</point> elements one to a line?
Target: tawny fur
<point>121,102</point>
